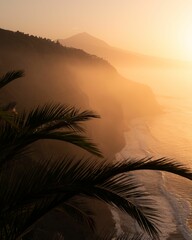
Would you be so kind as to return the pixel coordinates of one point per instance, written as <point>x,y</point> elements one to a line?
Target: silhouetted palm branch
<point>123,237</point>
<point>161,164</point>
<point>51,121</point>
<point>54,116</point>
<point>10,76</point>
<point>42,188</point>
<point>79,212</point>
<point>5,116</point>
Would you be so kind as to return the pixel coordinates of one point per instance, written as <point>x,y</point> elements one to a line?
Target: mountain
<point>84,40</point>
<point>72,76</point>
<point>54,73</point>
<point>118,57</point>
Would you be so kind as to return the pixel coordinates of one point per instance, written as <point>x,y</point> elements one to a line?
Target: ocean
<point>165,135</point>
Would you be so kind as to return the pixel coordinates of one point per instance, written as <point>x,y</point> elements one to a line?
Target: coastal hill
<point>61,74</point>
<point>54,73</point>
<point>118,57</point>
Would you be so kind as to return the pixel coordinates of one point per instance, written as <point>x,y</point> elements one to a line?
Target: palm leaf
<point>9,77</point>
<point>104,235</point>
<point>5,116</point>
<point>54,116</point>
<point>21,141</point>
<point>58,236</point>
<point>128,165</point>
<point>44,187</point>
<point>79,213</point>
<point>53,122</point>
<point>147,220</point>
<point>124,237</point>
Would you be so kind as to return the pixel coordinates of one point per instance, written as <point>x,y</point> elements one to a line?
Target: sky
<point>154,27</point>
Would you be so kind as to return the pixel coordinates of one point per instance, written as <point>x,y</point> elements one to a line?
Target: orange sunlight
<point>186,41</point>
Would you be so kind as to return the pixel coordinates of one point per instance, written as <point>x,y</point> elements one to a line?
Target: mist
<point>173,82</point>
<point>57,74</point>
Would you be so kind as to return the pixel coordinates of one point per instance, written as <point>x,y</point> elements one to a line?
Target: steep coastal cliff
<point>60,74</point>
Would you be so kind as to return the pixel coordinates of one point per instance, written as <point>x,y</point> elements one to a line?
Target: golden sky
<point>154,27</point>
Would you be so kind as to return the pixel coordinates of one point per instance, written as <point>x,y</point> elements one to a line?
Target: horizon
<point>151,27</point>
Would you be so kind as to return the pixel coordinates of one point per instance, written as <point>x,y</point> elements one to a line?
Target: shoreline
<point>176,203</point>
<point>135,146</point>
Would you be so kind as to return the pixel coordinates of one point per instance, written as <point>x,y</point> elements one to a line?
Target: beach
<point>169,192</point>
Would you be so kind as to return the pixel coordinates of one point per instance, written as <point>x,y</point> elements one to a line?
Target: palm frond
<point>53,122</point>
<point>82,215</point>
<point>52,116</point>
<point>5,115</point>
<point>44,187</point>
<point>123,236</point>
<point>136,236</point>
<point>162,164</point>
<point>58,236</point>
<point>130,165</point>
<point>10,76</point>
<point>19,143</point>
<point>147,220</point>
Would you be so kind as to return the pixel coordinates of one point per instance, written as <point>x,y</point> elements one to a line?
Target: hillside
<point>71,76</point>
<point>118,57</point>
<point>59,74</point>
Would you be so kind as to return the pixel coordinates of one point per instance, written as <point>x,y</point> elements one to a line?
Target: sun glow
<point>185,37</point>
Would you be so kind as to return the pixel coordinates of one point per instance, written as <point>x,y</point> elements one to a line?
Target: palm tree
<point>29,191</point>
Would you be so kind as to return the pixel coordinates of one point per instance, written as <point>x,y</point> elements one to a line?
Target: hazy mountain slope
<point>86,40</point>
<point>56,73</point>
<point>118,57</point>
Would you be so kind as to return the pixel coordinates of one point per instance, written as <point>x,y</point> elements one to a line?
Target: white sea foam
<point>181,209</point>
<point>141,143</point>
<point>116,218</point>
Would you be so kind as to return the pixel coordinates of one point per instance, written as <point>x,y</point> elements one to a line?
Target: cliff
<point>60,74</point>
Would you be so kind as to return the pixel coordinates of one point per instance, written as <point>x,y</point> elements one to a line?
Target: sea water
<point>165,135</point>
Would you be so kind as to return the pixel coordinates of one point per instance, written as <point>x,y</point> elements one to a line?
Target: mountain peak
<point>83,34</point>
<point>84,39</point>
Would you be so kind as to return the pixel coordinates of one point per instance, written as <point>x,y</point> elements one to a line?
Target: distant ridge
<point>118,57</point>
<point>84,39</point>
